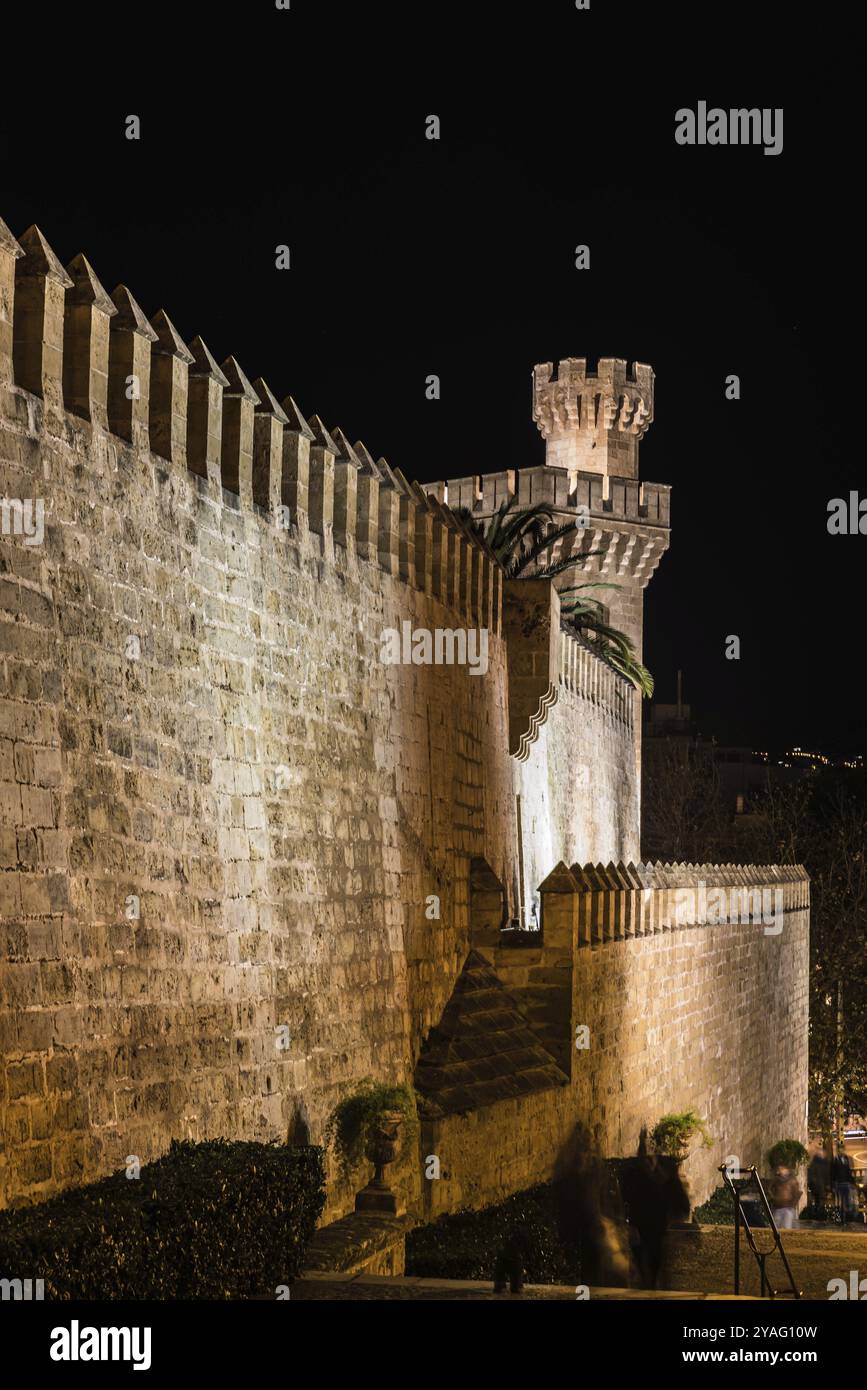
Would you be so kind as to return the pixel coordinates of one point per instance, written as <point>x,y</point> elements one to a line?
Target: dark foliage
<point>211,1220</point>
<point>718,1210</point>
<point>471,1244</point>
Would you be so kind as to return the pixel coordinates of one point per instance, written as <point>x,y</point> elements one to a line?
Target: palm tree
<point>585,617</point>
<point>520,538</point>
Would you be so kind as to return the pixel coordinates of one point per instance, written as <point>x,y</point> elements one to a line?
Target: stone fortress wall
<point>223,816</point>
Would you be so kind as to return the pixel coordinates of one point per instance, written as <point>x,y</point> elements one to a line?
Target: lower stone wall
<point>490,1153</point>
<point>704,1018</point>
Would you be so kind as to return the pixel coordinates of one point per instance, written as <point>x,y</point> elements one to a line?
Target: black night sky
<point>456,257</point>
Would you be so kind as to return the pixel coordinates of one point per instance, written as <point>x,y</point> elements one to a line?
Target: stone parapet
<point>614,902</point>
<point>590,678</point>
<point>79,352</point>
<point>622,524</point>
<point>608,496</point>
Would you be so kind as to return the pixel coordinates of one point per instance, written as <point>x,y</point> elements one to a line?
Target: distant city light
<point>800,757</point>
<point>815,758</point>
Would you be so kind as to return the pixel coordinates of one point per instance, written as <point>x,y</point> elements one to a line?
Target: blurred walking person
<point>784,1194</point>
<point>818,1182</point>
<point>843,1184</point>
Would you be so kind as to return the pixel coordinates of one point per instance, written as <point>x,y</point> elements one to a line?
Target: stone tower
<point>592,425</point>
<point>592,422</point>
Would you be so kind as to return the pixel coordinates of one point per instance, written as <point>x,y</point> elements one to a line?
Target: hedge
<point>465,1245</point>
<point>718,1210</point>
<point>213,1220</point>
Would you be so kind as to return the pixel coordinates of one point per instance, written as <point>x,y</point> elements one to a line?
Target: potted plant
<point>672,1135</point>
<point>370,1123</point>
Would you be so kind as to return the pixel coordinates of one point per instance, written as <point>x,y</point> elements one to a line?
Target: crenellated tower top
<point>592,421</point>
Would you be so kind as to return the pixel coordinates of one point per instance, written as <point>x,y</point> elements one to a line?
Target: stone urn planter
<point>383,1146</point>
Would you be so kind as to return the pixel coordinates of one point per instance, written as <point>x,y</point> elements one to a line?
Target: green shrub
<point>787,1153</point>
<point>211,1220</point>
<point>465,1245</point>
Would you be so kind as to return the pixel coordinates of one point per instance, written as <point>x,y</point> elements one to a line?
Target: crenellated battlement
<point>97,357</point>
<point>603,496</point>
<point>592,904</point>
<point>623,525</point>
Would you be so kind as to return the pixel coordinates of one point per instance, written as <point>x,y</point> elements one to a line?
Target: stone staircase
<point>545,1003</point>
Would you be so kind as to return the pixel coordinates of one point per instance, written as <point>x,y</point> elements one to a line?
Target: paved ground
<point>704,1259</point>
<point>370,1287</point>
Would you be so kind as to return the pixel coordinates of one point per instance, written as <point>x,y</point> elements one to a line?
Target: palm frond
<point>559,566</point>
<point>496,525</point>
<point>582,614</point>
<point>531,521</point>
<point>612,646</point>
<point>538,546</point>
<point>635,672</point>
